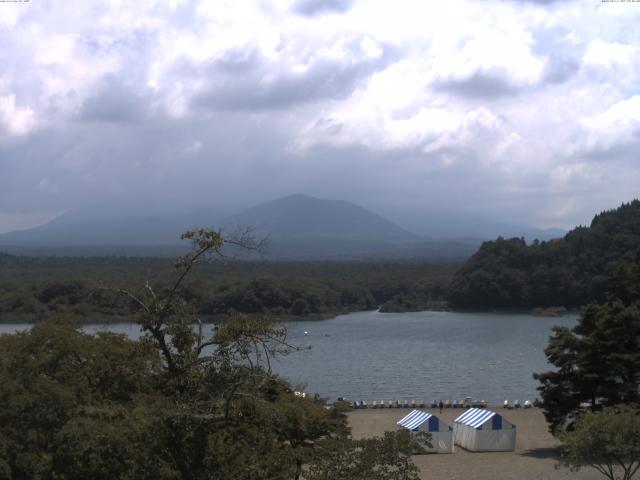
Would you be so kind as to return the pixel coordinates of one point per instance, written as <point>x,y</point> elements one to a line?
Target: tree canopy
<point>570,271</point>
<point>608,441</point>
<point>174,405</point>
<point>597,361</point>
<point>35,287</point>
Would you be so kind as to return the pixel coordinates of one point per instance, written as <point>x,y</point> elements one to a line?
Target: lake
<point>424,355</point>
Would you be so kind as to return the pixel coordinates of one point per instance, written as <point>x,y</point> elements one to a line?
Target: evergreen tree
<point>597,361</point>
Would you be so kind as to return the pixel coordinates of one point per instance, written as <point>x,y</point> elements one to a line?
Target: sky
<point>518,110</point>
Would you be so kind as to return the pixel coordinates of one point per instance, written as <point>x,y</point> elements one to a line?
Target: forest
<point>568,272</point>
<point>32,288</point>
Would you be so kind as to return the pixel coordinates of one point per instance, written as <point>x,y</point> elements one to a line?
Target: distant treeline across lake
<point>32,288</point>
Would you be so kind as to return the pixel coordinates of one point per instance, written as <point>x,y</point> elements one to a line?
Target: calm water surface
<point>425,355</point>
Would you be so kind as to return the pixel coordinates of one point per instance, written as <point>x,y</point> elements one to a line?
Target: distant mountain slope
<point>71,230</point>
<point>447,224</point>
<point>299,228</point>
<point>301,216</point>
<point>569,272</point>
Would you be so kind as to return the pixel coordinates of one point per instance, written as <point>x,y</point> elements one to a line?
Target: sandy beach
<point>535,456</point>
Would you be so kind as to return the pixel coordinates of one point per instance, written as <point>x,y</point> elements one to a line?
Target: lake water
<point>425,355</point>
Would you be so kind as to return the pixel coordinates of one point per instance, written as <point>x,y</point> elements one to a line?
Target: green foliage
<point>173,405</point>
<point>35,287</point>
<point>386,458</point>
<point>597,361</point>
<point>53,376</point>
<point>608,441</point>
<point>569,272</point>
<point>78,406</point>
<point>625,279</point>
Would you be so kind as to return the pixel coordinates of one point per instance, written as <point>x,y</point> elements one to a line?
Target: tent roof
<point>414,419</point>
<point>474,417</point>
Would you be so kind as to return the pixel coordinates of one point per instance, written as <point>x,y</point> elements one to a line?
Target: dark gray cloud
<point>132,169</point>
<point>142,167</point>
<point>619,153</point>
<point>314,7</point>
<point>483,84</point>
<point>560,69</point>
<point>247,80</point>
<point>113,101</point>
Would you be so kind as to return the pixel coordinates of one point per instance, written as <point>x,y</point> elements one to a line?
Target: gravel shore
<point>535,456</point>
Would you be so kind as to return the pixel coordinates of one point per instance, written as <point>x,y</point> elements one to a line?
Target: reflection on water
<point>426,355</point>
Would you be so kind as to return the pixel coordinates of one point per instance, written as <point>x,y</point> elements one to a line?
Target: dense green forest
<point>32,288</point>
<point>570,272</point>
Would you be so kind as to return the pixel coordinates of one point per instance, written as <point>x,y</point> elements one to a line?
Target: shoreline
<point>95,319</point>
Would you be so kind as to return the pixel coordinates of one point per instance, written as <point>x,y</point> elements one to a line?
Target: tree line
<point>591,399</point>
<point>34,287</point>
<point>570,271</point>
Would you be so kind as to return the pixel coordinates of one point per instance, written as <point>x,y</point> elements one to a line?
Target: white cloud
<point>609,54</point>
<point>618,125</point>
<point>15,119</point>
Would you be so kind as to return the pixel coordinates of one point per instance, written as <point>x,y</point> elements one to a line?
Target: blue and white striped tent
<point>441,433</point>
<point>481,430</point>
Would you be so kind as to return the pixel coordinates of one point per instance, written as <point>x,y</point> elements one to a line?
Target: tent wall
<point>464,436</point>
<point>442,442</point>
<point>496,440</point>
<point>483,440</point>
<point>441,433</point>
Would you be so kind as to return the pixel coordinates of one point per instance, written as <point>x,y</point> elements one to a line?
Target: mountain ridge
<point>303,216</point>
<point>299,227</point>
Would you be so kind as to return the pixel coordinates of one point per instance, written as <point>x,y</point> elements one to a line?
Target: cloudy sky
<point>524,111</point>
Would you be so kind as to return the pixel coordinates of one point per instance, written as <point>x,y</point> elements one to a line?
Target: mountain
<point>447,224</point>
<point>299,227</point>
<point>303,217</point>
<point>569,271</point>
<point>91,232</point>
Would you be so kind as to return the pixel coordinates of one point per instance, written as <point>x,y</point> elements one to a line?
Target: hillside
<point>299,227</point>
<point>88,230</point>
<point>301,216</point>
<point>571,271</point>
